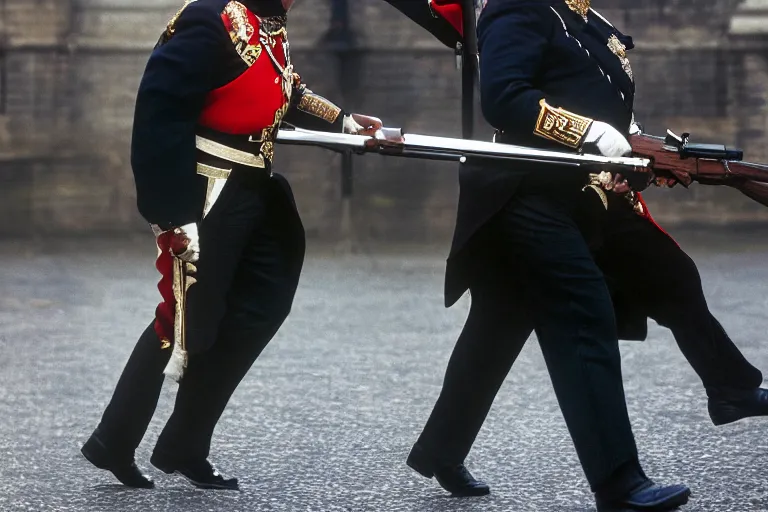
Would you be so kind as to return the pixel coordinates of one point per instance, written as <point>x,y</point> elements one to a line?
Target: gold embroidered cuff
<point>561,126</point>
<point>319,107</point>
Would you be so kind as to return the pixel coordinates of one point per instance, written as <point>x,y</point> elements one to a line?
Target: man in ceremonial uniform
<point>556,75</point>
<point>231,243</point>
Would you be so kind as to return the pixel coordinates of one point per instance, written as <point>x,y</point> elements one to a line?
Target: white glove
<point>188,236</point>
<point>359,124</point>
<point>635,129</point>
<point>607,139</point>
<point>351,126</point>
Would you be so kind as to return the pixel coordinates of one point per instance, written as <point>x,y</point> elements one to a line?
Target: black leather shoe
<point>199,473</point>
<point>123,467</point>
<point>454,478</point>
<point>727,405</point>
<point>649,497</point>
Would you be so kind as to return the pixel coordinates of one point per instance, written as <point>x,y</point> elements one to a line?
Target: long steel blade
<point>490,149</point>
<point>446,148</point>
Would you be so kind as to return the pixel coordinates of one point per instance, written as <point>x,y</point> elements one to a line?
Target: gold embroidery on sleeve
<point>319,107</point>
<point>561,126</point>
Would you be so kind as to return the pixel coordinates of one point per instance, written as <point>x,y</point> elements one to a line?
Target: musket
<point>393,142</point>
<point>675,160</point>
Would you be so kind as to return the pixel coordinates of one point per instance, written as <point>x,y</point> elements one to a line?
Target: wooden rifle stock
<point>675,161</point>
<point>754,190</point>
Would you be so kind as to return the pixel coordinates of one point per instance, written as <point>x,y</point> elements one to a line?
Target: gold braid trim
<point>218,150</point>
<point>561,126</point>
<point>634,201</point>
<point>600,183</point>
<point>274,26</point>
<point>618,49</point>
<point>603,182</point>
<point>215,173</point>
<point>269,133</point>
<point>600,192</point>
<point>318,106</point>
<point>580,7</point>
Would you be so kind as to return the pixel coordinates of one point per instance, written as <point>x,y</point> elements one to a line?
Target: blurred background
<point>69,70</point>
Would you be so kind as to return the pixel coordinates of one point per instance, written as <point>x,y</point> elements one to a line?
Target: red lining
<point>649,218</point>
<point>165,314</point>
<point>451,11</point>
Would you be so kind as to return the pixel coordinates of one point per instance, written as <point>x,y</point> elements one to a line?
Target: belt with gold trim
<point>238,149</point>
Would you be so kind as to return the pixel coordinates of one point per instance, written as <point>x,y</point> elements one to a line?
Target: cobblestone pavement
<point>326,417</point>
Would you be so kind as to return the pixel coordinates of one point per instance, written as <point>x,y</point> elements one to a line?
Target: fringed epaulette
<point>241,31</point>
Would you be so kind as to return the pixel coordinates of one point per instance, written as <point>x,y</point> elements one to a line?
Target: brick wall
<point>71,67</point>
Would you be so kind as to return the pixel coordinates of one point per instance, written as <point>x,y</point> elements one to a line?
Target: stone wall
<point>69,71</point>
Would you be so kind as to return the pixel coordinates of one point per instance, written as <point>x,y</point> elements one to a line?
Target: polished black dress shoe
<point>123,467</point>
<point>199,473</point>
<point>727,405</point>
<point>649,497</point>
<point>454,478</point>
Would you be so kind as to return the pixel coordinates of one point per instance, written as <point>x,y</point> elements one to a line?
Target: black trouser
<point>668,288</point>
<point>251,254</point>
<point>664,284</point>
<point>543,277</point>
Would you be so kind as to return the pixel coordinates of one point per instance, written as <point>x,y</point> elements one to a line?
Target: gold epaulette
<point>242,30</point>
<point>170,29</point>
<point>561,126</point>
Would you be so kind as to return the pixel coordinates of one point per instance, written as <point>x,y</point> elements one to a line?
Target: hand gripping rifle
<point>674,160</point>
